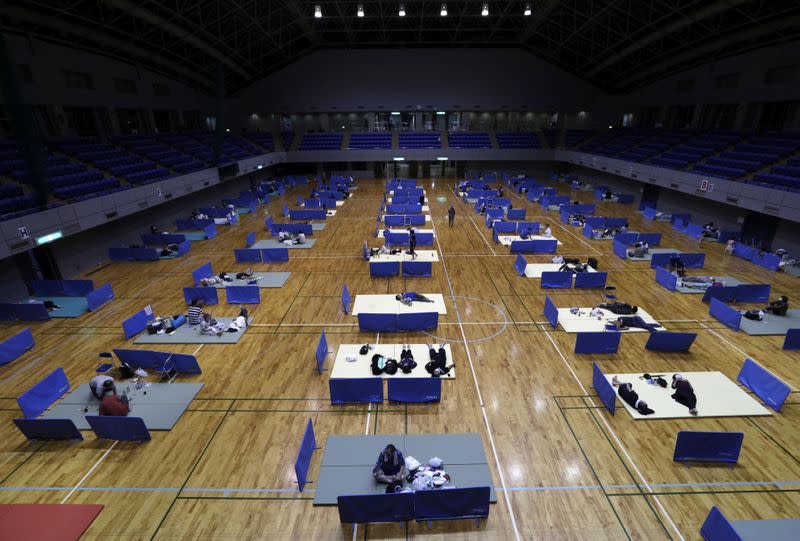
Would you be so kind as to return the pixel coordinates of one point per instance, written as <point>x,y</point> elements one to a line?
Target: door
<point>649,196</point>
<point>759,229</point>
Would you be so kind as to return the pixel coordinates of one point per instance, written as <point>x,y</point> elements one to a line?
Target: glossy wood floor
<point>564,468</point>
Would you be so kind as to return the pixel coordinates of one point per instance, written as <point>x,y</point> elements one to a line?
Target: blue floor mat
<point>70,306</point>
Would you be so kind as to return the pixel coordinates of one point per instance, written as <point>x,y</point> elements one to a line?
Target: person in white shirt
<point>547,231</point>
<point>301,238</point>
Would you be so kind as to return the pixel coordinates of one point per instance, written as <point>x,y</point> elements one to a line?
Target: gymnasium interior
<point>381,269</point>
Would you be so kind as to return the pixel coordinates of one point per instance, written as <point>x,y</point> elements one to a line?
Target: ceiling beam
<point>158,21</point>
<point>735,37</point>
<point>656,34</point>
<point>541,10</point>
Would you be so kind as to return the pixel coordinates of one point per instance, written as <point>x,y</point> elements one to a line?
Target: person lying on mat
<point>114,405</point>
<point>779,307</point>
<point>619,308</point>
<point>438,363</point>
<point>390,466</point>
<point>754,315</point>
<point>407,297</point>
<point>626,393</point>
<point>195,312</point>
<point>301,238</point>
<point>101,386</point>
<point>628,322</point>
<point>407,362</point>
<point>171,249</point>
<point>700,282</point>
<point>248,274</point>
<point>284,235</point>
<point>684,393</point>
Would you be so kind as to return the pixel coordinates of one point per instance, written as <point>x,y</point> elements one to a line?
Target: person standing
<point>451,215</point>
<point>412,242</point>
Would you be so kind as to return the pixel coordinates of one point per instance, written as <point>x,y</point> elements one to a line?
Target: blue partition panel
<point>321,352</point>
<point>345,299</point>
<point>670,341</point>
<point>519,264</point>
<point>597,342</point>
<point>680,218</point>
<point>661,260</point>
<point>304,454</point>
<point>620,250</point>
<point>14,346</point>
<point>625,198</point>
<point>588,230</point>
<point>722,293</point>
<point>752,293</point>
<point>652,239</point>
<point>666,279</point>
<point>356,391</point>
<point>157,360</point>
<point>422,321</point>
<point>203,271</point>
<point>133,254</point>
<point>118,428</point>
<point>544,246</point>
<point>100,296</point>
<point>414,390</point>
<point>726,315</point>
<point>626,238</point>
<point>275,255</point>
<point>768,261</point>
<point>694,230</point>
<point>394,219</point>
<point>243,294</point>
<point>764,384</point>
<point>136,323</point>
<point>294,229</point>
<point>556,280</point>
<point>718,528</point>
<point>679,226</point>
<point>615,221</point>
<point>208,295</point>
<point>792,340</point>
<point>743,251</point>
<point>38,398</point>
<point>362,509</point>
<point>532,227</point>
<point>247,255</point>
<point>384,268</point>
<point>649,213</point>
<point>515,214</point>
<point>7,312</point>
<point>708,446</point>
<point>311,214</point>
<point>550,312</point>
<point>377,322</point>
<point>605,391</point>
<point>48,429</point>
<point>417,268</point>
<point>456,503</point>
<point>594,222</point>
<point>250,239</point>
<point>162,239</point>
<point>31,311</point>
<point>62,288</point>
<point>591,280</point>
<point>693,261</point>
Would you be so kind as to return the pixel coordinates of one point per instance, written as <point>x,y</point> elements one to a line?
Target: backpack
<point>391,367</point>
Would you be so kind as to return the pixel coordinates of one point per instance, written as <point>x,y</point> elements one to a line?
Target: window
<point>684,85</point>
<point>24,73</point>
<point>160,89</point>
<point>125,86</point>
<point>781,75</point>
<point>78,80</point>
<point>727,81</point>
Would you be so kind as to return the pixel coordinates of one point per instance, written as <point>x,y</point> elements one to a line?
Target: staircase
<point>345,140</point>
<point>445,139</point>
<point>542,139</point>
<point>493,138</point>
<point>395,140</point>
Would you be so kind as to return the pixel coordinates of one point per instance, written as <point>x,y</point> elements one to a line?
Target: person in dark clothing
<point>626,393</point>
<point>619,308</point>
<point>390,466</point>
<point>422,199</point>
<point>779,307</point>
<point>684,393</point>
<point>451,215</point>
<point>412,242</point>
<point>438,363</point>
<point>635,321</point>
<point>676,265</point>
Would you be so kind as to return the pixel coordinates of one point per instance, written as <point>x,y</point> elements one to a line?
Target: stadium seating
<point>517,140</point>
<point>462,139</point>
<point>369,140</point>
<point>321,141</point>
<point>412,139</point>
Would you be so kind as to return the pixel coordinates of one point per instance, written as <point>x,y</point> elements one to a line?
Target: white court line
<point>614,435</point>
<point>88,473</point>
<point>366,432</point>
<point>198,349</point>
<point>480,397</point>
<point>480,234</point>
<point>737,348</point>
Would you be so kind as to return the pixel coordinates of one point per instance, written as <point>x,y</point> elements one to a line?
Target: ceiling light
<point>485,10</point>
<point>360,11</point>
<point>317,12</point>
<point>443,13</point>
<point>527,11</point>
<point>402,11</point>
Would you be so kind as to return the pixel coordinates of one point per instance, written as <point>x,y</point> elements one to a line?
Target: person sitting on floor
<point>619,308</point>
<point>684,393</point>
<point>114,405</point>
<point>210,326</point>
<point>628,322</point>
<point>547,231</point>
<point>407,297</point>
<point>779,307</point>
<point>676,265</point>
<point>438,363</point>
<point>101,386</point>
<point>240,322</point>
<point>301,238</point>
<point>626,393</point>
<point>283,235</point>
<point>195,312</point>
<point>390,466</point>
<point>638,251</point>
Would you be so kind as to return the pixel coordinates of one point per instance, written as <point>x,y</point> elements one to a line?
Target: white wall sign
<point>23,233</point>
<point>704,185</point>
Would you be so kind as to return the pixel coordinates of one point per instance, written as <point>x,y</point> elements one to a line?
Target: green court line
<point>229,498</point>
<point>685,493</point>
<point>594,473</point>
<point>18,466</point>
<point>782,448</point>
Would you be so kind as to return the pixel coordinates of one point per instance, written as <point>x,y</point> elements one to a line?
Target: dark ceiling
<point>617,45</point>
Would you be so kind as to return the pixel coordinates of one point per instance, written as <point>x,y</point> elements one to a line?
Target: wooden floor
<point>564,468</point>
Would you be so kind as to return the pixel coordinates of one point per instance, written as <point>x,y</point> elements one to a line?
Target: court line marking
<point>478,390</point>
<point>88,473</point>
<point>480,234</point>
<point>616,438</point>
